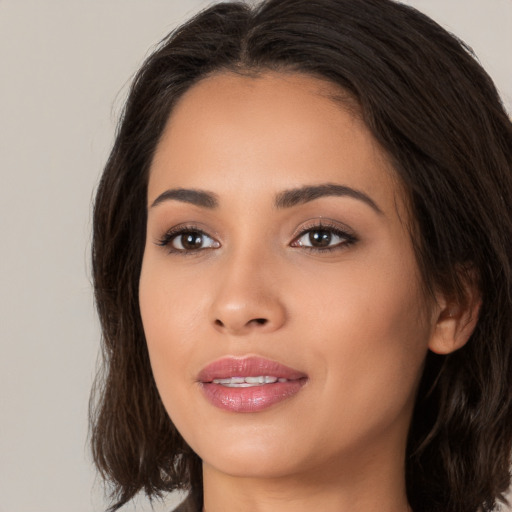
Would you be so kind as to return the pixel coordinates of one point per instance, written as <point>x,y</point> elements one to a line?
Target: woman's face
<point>277,246</point>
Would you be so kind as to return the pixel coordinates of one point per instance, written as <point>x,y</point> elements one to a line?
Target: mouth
<point>249,384</point>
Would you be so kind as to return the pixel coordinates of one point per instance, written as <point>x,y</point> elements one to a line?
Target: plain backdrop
<point>65,66</point>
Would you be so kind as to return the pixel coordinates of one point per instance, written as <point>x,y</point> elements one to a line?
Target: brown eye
<point>188,241</point>
<point>320,238</point>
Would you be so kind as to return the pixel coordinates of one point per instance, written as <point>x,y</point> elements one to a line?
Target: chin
<point>249,451</point>
<point>252,462</point>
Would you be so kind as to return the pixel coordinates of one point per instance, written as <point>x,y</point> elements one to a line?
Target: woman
<point>302,265</point>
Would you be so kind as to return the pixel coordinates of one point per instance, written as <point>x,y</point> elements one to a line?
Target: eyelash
<point>347,237</point>
<point>174,233</point>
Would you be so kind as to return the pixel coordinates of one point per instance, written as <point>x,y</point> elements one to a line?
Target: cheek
<point>369,335</point>
<point>169,316</point>
<point>368,298</point>
<point>170,306</point>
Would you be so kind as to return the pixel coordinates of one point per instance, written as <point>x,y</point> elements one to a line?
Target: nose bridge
<point>247,297</point>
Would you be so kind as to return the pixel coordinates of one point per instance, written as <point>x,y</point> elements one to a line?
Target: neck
<point>363,488</point>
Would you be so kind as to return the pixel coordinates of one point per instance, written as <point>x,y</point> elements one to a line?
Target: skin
<point>353,319</point>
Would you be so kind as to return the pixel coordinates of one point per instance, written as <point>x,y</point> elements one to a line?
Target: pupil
<point>320,238</point>
<point>192,240</point>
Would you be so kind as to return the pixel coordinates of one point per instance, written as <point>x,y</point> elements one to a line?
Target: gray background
<point>65,69</point>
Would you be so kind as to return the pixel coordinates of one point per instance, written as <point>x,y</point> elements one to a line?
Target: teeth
<point>260,380</point>
<point>247,382</point>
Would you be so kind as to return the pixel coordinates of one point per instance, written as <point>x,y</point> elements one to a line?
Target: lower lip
<point>253,399</point>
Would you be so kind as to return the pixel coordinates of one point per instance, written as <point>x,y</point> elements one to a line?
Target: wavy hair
<point>438,115</point>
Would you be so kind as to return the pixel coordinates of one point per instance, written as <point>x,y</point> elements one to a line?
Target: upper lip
<point>252,366</point>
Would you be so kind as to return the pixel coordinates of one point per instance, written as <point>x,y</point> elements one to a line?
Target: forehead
<point>276,130</point>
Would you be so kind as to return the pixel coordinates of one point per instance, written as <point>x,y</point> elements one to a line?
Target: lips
<point>250,384</point>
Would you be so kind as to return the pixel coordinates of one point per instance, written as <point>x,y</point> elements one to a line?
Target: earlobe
<point>454,323</point>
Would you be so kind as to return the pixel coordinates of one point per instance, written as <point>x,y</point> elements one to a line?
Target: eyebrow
<point>187,195</point>
<point>294,197</point>
<point>285,199</point>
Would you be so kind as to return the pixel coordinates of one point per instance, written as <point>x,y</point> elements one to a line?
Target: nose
<point>247,298</point>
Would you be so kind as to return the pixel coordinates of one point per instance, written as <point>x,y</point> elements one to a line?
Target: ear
<point>455,320</point>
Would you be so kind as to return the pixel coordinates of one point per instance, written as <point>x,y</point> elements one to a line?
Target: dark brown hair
<point>438,115</point>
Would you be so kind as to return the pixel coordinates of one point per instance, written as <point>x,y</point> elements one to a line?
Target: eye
<point>191,241</point>
<point>187,240</point>
<point>323,238</point>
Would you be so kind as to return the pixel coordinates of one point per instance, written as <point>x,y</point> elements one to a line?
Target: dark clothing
<point>193,503</point>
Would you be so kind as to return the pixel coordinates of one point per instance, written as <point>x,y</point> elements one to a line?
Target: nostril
<point>233,325</point>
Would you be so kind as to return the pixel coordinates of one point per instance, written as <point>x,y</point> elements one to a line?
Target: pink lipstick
<point>249,384</point>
